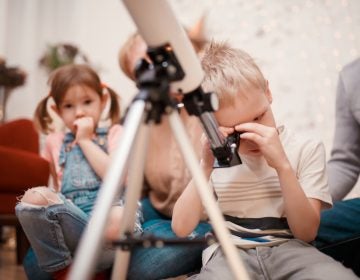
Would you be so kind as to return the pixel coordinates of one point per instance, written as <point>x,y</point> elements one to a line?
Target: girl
<point>53,219</point>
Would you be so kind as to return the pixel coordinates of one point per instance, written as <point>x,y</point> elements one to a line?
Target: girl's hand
<point>112,229</point>
<point>207,155</point>
<point>84,129</point>
<point>268,141</point>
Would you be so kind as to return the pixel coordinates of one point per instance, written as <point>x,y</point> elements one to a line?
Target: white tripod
<point>150,104</point>
<point>92,240</point>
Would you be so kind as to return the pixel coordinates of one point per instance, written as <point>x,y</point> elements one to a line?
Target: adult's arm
<point>344,164</point>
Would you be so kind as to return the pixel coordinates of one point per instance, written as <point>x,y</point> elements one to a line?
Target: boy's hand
<point>84,128</point>
<point>268,141</point>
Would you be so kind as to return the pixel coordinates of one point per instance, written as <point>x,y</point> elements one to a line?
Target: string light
<point>337,35</point>
<point>300,45</point>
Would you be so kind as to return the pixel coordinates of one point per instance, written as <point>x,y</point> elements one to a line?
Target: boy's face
<point>251,106</point>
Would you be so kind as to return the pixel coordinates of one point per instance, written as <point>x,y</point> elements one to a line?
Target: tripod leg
<point>207,197</point>
<point>92,239</point>
<point>133,193</point>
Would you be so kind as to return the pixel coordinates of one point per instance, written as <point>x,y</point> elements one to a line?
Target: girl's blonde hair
<point>61,80</point>
<point>229,71</point>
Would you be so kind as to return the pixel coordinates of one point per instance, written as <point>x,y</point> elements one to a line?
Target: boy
<point>272,201</point>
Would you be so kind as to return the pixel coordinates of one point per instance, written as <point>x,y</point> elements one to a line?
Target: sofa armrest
<point>20,134</point>
<point>21,170</point>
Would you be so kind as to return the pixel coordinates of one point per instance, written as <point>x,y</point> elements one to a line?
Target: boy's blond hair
<point>229,71</point>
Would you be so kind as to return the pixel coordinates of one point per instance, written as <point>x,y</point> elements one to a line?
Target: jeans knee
<point>40,196</point>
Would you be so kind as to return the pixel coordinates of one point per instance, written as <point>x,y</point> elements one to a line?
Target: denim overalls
<point>80,183</point>
<point>54,231</point>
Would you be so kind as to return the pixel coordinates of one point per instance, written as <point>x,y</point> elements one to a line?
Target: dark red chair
<point>21,167</point>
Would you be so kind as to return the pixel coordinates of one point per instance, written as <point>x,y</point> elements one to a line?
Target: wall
<point>300,45</point>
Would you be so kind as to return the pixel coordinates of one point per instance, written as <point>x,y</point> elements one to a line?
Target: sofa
<point>21,167</point>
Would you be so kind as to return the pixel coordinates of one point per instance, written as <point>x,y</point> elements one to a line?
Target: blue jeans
<point>169,261</point>
<point>147,263</point>
<point>339,223</point>
<point>32,269</point>
<point>54,246</point>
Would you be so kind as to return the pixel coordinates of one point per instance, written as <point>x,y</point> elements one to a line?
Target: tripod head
<point>175,67</point>
<point>153,79</point>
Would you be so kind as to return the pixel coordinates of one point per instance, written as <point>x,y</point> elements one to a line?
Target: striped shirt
<point>250,197</point>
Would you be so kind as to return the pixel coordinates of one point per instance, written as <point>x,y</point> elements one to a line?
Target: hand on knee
<point>113,226</point>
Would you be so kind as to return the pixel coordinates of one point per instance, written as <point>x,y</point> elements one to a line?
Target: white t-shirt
<point>252,190</point>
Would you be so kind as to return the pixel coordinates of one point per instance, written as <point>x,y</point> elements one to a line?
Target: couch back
<point>20,134</point>
<point>21,166</point>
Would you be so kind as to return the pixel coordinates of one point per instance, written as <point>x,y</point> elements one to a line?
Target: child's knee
<point>40,196</point>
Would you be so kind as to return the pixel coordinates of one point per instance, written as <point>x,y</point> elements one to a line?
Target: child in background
<point>54,219</point>
<point>272,201</point>
<point>166,177</point>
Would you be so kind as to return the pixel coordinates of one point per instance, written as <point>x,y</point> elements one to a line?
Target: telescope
<point>173,56</point>
<point>174,68</point>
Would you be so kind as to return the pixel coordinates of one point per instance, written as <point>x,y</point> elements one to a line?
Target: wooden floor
<point>8,268</point>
